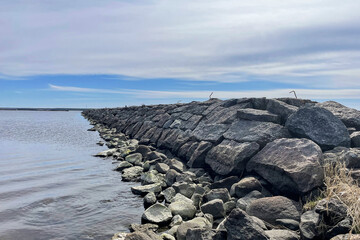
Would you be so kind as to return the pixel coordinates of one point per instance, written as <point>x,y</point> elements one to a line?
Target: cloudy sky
<point>87,53</point>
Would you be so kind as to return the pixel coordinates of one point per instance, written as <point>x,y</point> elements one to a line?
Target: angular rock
<point>255,131</point>
<point>258,115</point>
<point>347,237</point>
<point>219,193</point>
<point>131,174</point>
<point>349,116</point>
<point>147,235</point>
<point>185,189</point>
<point>215,208</point>
<point>230,156</point>
<point>240,226</point>
<point>225,183</point>
<point>183,208</point>
<point>181,198</point>
<point>149,199</point>
<point>280,108</point>
<point>271,208</point>
<point>245,201</point>
<point>282,234</point>
<point>176,165</point>
<point>198,222</point>
<point>245,186</point>
<point>290,165</point>
<point>308,225</point>
<point>169,194</point>
<point>341,227</point>
<point>176,220</point>
<point>157,213</point>
<point>319,125</point>
<point>349,156</point>
<point>143,190</point>
<point>197,159</point>
<point>134,158</point>
<point>331,210</point>
<point>170,177</point>
<point>150,177</point>
<point>288,223</point>
<point>122,165</point>
<point>209,132</point>
<point>162,168</point>
<point>355,139</point>
<point>143,227</point>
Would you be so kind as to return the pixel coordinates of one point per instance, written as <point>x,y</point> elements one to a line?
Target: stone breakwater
<point>233,169</point>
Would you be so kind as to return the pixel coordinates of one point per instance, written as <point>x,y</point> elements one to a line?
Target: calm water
<point>50,185</point>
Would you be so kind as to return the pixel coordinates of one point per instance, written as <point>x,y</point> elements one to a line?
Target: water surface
<point>50,185</point>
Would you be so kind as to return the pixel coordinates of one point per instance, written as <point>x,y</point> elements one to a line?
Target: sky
<point>110,53</point>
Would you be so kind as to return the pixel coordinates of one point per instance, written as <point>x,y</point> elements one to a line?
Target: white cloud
<point>199,40</point>
<point>276,93</point>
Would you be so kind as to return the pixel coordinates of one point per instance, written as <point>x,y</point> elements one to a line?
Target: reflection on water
<point>50,185</point>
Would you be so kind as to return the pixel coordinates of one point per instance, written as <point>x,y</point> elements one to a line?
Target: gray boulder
<point>319,125</point>
<point>170,176</point>
<point>282,234</point>
<point>349,116</point>
<point>198,222</point>
<point>162,168</point>
<point>149,199</point>
<point>157,213</point>
<point>215,208</point>
<point>122,165</point>
<point>271,208</point>
<point>183,208</point>
<point>245,186</point>
<point>355,139</point>
<point>280,108</point>
<point>219,193</point>
<point>348,156</point>
<point>209,132</point>
<point>134,158</point>
<point>131,174</point>
<point>240,226</point>
<point>309,222</point>
<point>230,156</point>
<point>245,201</point>
<point>197,159</point>
<point>169,194</point>
<point>225,182</point>
<point>143,190</point>
<point>258,115</point>
<point>255,131</point>
<point>290,165</point>
<point>331,210</point>
<point>184,188</point>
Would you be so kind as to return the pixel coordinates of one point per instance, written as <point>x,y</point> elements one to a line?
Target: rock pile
<point>233,169</point>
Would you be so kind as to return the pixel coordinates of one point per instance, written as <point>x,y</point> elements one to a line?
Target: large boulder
<point>255,131</point>
<point>215,208</point>
<point>209,132</point>
<point>280,108</point>
<point>271,208</point>
<point>349,116</point>
<point>309,225</point>
<point>197,159</point>
<point>143,190</point>
<point>131,174</point>
<point>157,213</point>
<point>198,222</point>
<point>290,165</point>
<point>319,125</point>
<point>230,156</point>
<point>183,208</point>
<point>240,226</point>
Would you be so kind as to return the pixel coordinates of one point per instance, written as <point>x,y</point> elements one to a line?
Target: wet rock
<point>240,226</point>
<point>219,193</point>
<point>106,153</point>
<point>198,222</point>
<point>157,213</point>
<point>271,208</point>
<point>282,234</point>
<point>349,116</point>
<point>258,115</point>
<point>183,208</point>
<point>131,174</point>
<point>245,186</point>
<point>143,190</point>
<point>254,131</point>
<point>148,235</point>
<point>308,225</point>
<point>319,125</point>
<point>215,208</point>
<point>355,139</point>
<point>290,165</point>
<point>230,156</point>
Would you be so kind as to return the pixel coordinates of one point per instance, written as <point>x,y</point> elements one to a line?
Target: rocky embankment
<point>234,169</point>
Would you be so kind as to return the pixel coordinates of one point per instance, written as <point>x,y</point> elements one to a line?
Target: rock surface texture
<point>232,169</point>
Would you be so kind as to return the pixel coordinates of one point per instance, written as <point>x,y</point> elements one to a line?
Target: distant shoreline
<point>44,109</point>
